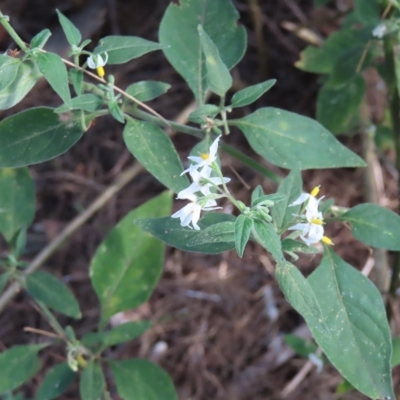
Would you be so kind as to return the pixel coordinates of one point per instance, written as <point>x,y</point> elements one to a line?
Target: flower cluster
<point>199,193</point>
<point>311,227</point>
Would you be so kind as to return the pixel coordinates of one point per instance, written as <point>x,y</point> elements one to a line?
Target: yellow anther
<point>204,156</point>
<point>100,71</point>
<point>315,191</point>
<point>317,221</point>
<point>327,240</point>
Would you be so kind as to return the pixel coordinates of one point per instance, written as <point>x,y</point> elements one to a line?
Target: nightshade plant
<point>203,42</point>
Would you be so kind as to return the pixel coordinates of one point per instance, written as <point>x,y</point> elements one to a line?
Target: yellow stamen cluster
<point>327,240</point>
<point>315,191</point>
<point>205,156</point>
<point>100,72</point>
<point>317,221</point>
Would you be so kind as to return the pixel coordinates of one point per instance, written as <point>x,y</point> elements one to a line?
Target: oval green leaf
<point>250,94</point>
<point>360,345</point>
<point>17,201</point>
<point>282,212</point>
<point>142,380</point>
<point>8,70</point>
<point>121,49</point>
<point>291,140</point>
<point>128,264</point>
<point>178,31</point>
<point>243,226</point>
<point>156,152</point>
<point>36,135</point>
<point>375,225</point>
<point>45,287</point>
<point>219,79</point>
<point>92,383</point>
<point>56,382</point>
<point>170,231</point>
<point>71,32</point>
<point>147,90</point>
<point>299,294</point>
<point>217,233</point>
<point>18,365</point>
<point>55,72</point>
<point>266,235</point>
<point>27,75</point>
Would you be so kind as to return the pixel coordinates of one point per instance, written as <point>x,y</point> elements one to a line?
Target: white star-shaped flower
<point>205,159</point>
<point>201,183</point>
<point>97,62</point>
<point>191,212</point>
<point>379,31</point>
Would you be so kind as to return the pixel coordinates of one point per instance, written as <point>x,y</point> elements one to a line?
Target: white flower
<point>205,159</point>
<point>191,212</point>
<point>201,183</point>
<point>312,230</point>
<point>379,31</point>
<point>97,62</point>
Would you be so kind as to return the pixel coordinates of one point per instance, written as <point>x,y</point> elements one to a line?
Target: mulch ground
<point>219,321</point>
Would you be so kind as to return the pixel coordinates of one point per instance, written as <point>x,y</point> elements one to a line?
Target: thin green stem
<point>4,21</point>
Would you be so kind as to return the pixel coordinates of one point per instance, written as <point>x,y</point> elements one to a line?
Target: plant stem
<point>4,21</point>
<point>389,45</point>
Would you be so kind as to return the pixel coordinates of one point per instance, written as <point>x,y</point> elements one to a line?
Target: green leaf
<point>18,365</point>
<point>178,30</point>
<point>274,197</point>
<point>27,75</point>
<point>294,246</point>
<point>48,289</point>
<point>360,346</point>
<point>17,201</point>
<point>36,135</point>
<point>290,140</point>
<point>156,152</point>
<point>116,111</point>
<point>40,39</point>
<point>219,79</point>
<point>257,193</point>
<point>217,233</point>
<point>300,295</point>
<point>396,352</point>
<point>368,12</point>
<point>250,94</point>
<point>243,227</point>
<point>3,280</point>
<point>266,235</point>
<point>56,382</point>
<point>142,380</point>
<point>76,79</point>
<point>8,70</point>
<point>147,90</point>
<point>323,60</point>
<point>282,213</point>
<point>120,334</point>
<point>92,383</point>
<point>375,225</point>
<point>128,264</point>
<point>87,102</point>
<point>338,104</point>
<point>200,115</point>
<point>121,49</point>
<point>170,231</point>
<point>55,71</point>
<point>71,32</point>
